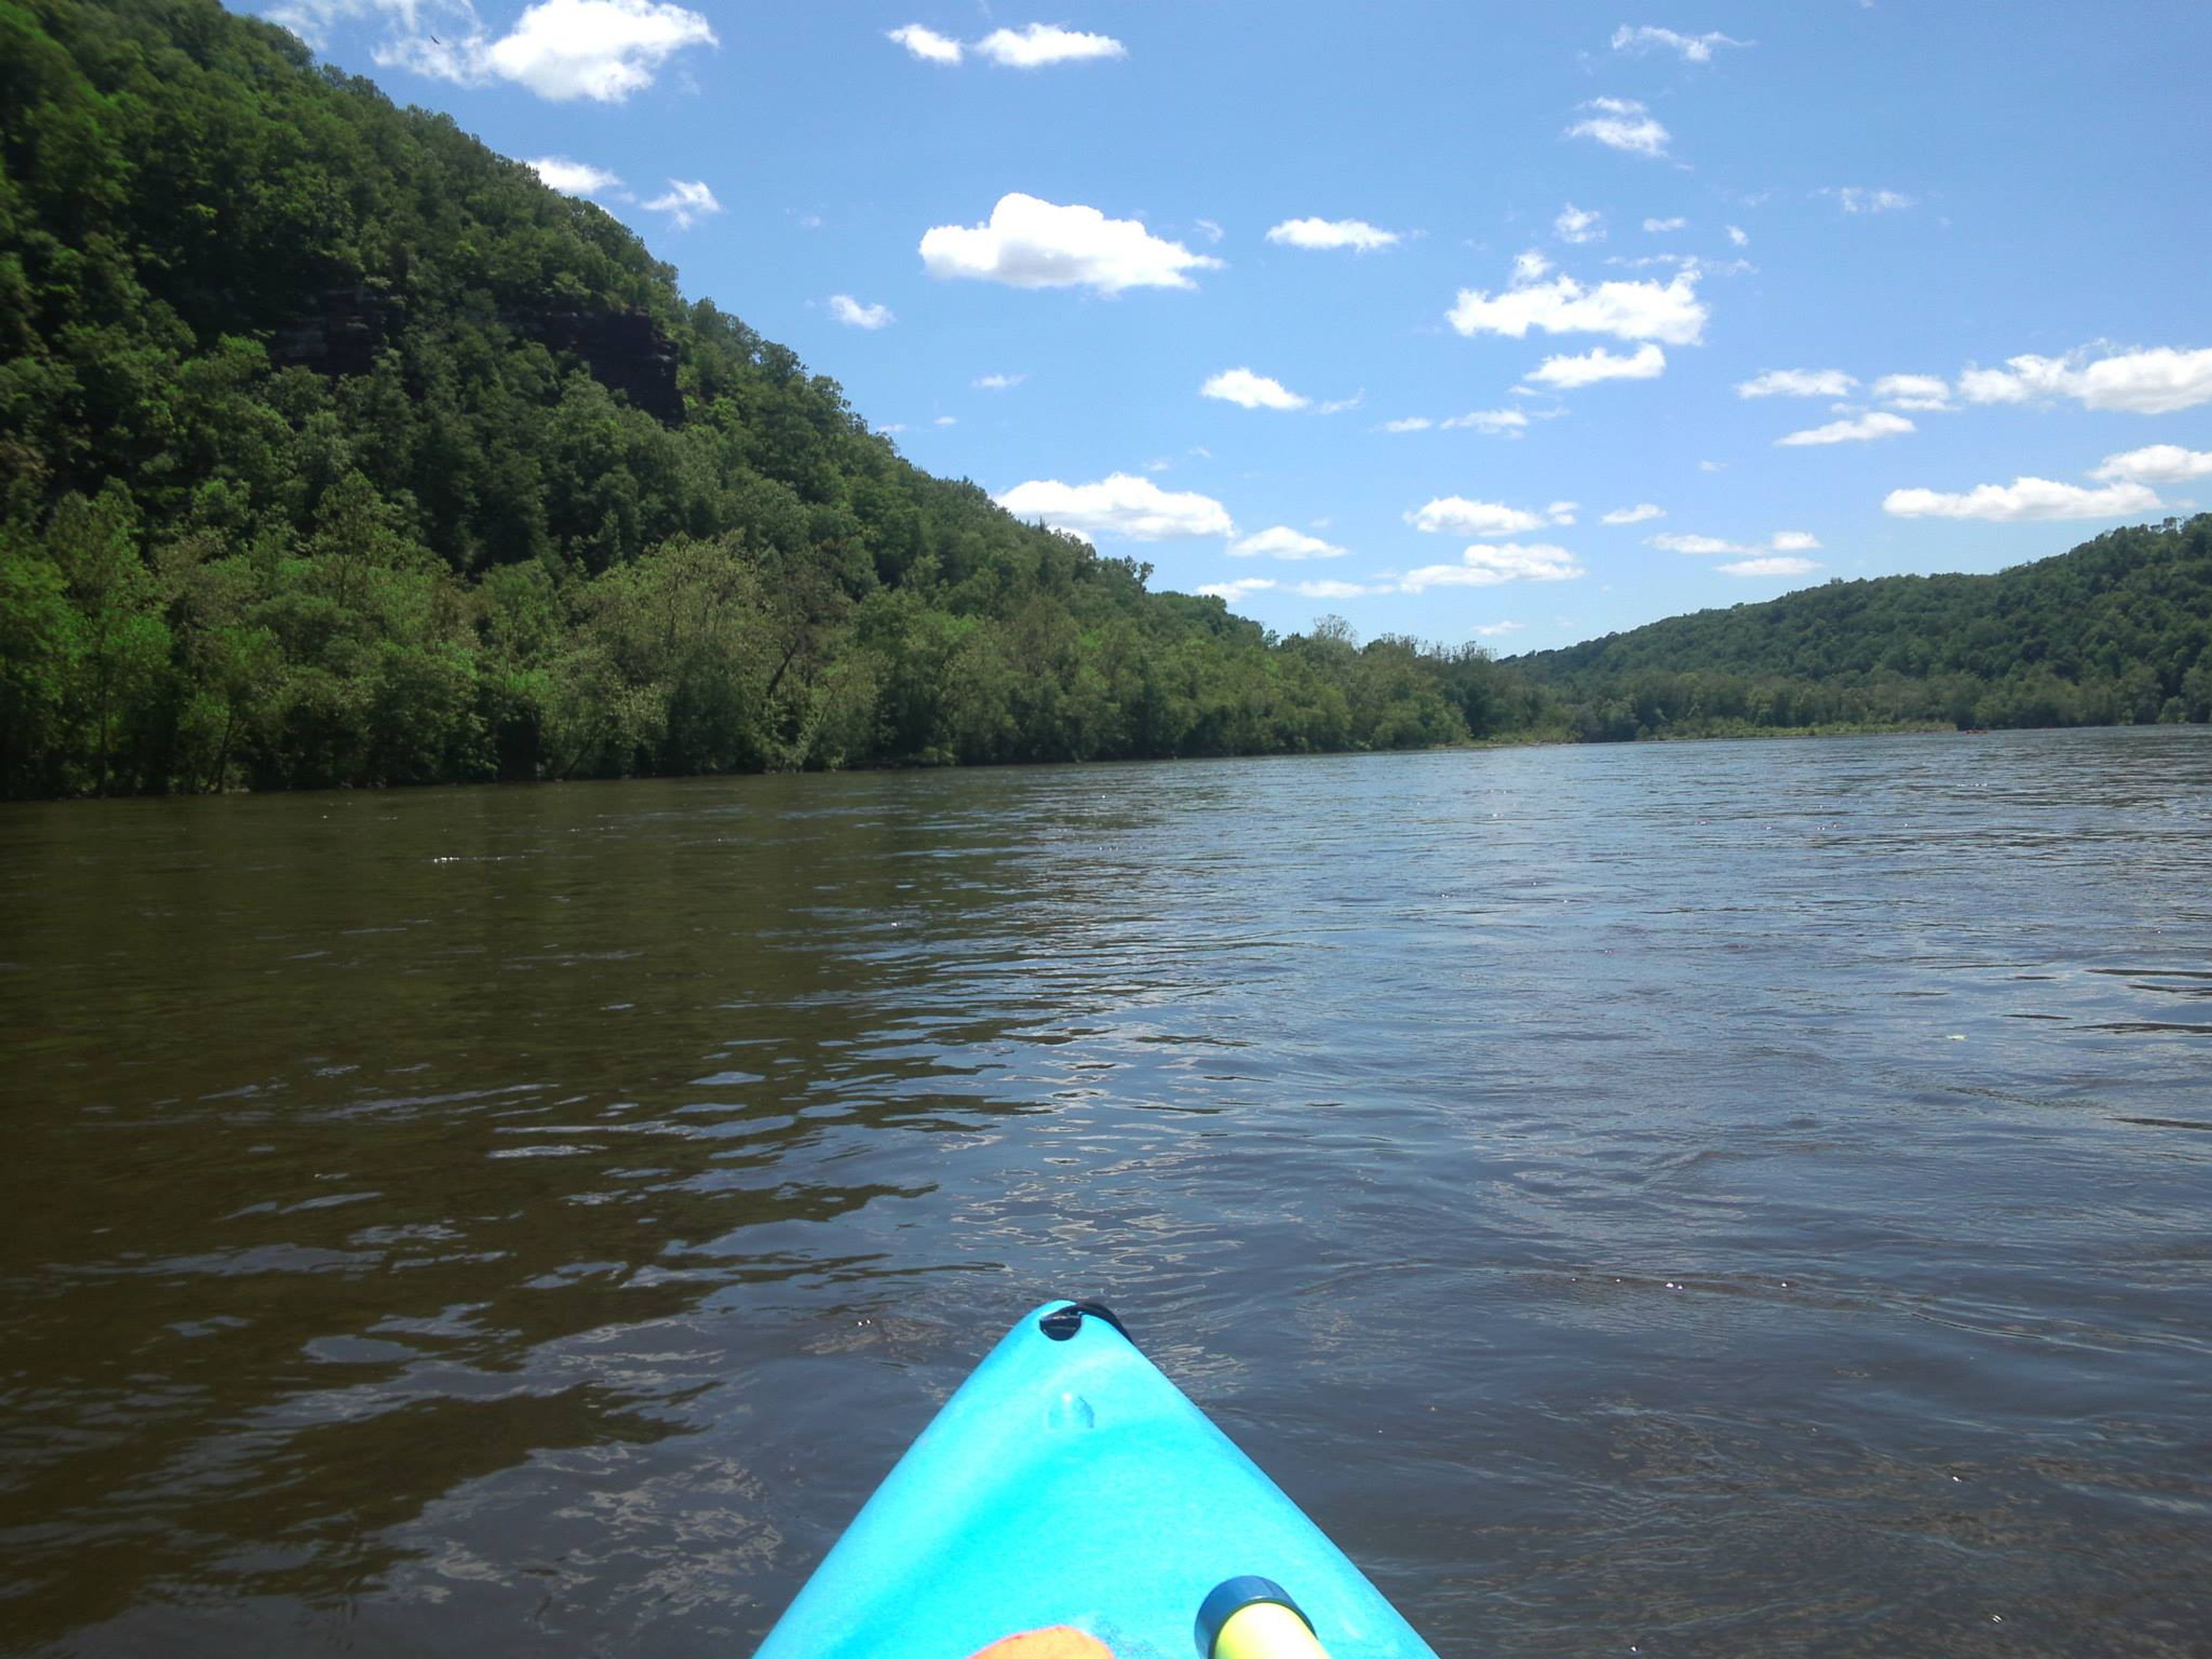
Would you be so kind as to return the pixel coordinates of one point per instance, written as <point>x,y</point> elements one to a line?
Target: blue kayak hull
<point>1068,1482</point>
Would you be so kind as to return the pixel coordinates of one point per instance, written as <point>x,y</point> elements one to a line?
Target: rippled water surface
<point>1716,1199</point>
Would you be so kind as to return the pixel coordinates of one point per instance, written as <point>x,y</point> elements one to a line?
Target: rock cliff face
<point>342,335</point>
<point>622,350</point>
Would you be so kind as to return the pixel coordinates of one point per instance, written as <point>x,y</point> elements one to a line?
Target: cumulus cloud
<point>1795,541</point>
<point>1246,390</point>
<point>1493,421</point>
<point>2157,464</point>
<point>603,50</point>
<point>1797,383</point>
<point>1574,224</point>
<point>851,313</point>
<point>1852,429</point>
<point>1637,514</point>
<point>1242,587</point>
<point>1646,362</point>
<point>1492,630</point>
<point>573,178</point>
<point>1694,48</point>
<point>1122,505</point>
<point>1768,565</point>
<point>1738,238</point>
<point>926,44</point>
<point>1624,124</point>
<point>1460,516</point>
<point>1409,423</point>
<point>999,382</point>
<point>1338,590</point>
<point>684,203</point>
<point>946,420</point>
<point>1281,542</point>
<point>1648,310</point>
<point>2158,382</point>
<point>1039,44</point>
<point>1858,198</point>
<point>1488,564</point>
<point>2025,499</point>
<point>1661,227</point>
<point>1917,391</point>
<point>1354,233</point>
<point>1028,243</point>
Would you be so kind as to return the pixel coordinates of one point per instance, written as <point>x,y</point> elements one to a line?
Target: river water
<point>1721,1198</point>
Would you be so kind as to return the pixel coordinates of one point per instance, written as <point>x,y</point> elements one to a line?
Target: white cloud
<point>1409,423</point>
<point>1685,543</point>
<point>946,420</point>
<point>999,382</point>
<point>1460,516</point>
<point>1694,48</point>
<point>1487,565</point>
<point>2158,382</point>
<point>1281,542</point>
<point>1637,514</point>
<point>1039,44</point>
<point>1783,541</point>
<point>573,178</point>
<point>1738,238</point>
<point>1917,391</point>
<point>1355,233</point>
<point>1493,421</point>
<point>1858,198</point>
<point>1121,505</point>
<point>1661,227</point>
<point>851,313</point>
<point>926,44</point>
<point>890,427</point>
<point>1852,429</point>
<point>1338,405</point>
<point>1574,224</point>
<point>2025,499</point>
<point>1628,311</point>
<point>1242,587</point>
<point>2157,464</point>
<point>1646,362</point>
<point>604,50</point>
<point>1622,123</point>
<point>685,203</point>
<point>1797,383</point>
<point>1246,390</point>
<point>1028,243</point>
<point>1492,630</point>
<point>1768,567</point>
<point>1207,228</point>
<point>1336,590</point>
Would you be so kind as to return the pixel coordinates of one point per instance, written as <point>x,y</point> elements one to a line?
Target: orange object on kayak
<point>1059,1642</point>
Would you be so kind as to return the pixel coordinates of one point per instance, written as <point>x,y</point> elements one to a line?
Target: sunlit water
<point>1703,1199</point>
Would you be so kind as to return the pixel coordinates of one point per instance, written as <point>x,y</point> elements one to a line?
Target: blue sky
<point>1833,289</point>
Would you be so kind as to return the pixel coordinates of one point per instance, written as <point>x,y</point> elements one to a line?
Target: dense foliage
<point>2116,632</point>
<point>336,449</point>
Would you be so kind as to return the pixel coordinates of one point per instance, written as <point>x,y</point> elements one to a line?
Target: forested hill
<point>2116,632</point>
<point>337,448</point>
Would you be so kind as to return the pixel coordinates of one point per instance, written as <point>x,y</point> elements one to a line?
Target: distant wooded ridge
<point>337,449</point>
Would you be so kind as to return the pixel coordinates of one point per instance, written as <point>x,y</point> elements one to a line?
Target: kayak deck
<point>1068,1482</point>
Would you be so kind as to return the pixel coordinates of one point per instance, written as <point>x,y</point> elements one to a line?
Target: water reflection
<point>1732,1195</point>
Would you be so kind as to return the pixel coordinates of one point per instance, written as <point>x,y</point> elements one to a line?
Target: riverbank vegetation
<point>337,449</point>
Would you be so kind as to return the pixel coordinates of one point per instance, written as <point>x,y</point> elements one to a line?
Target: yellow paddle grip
<point>1265,1630</point>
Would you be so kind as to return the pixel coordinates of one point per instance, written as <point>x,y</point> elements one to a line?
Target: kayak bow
<point>1068,1491</point>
